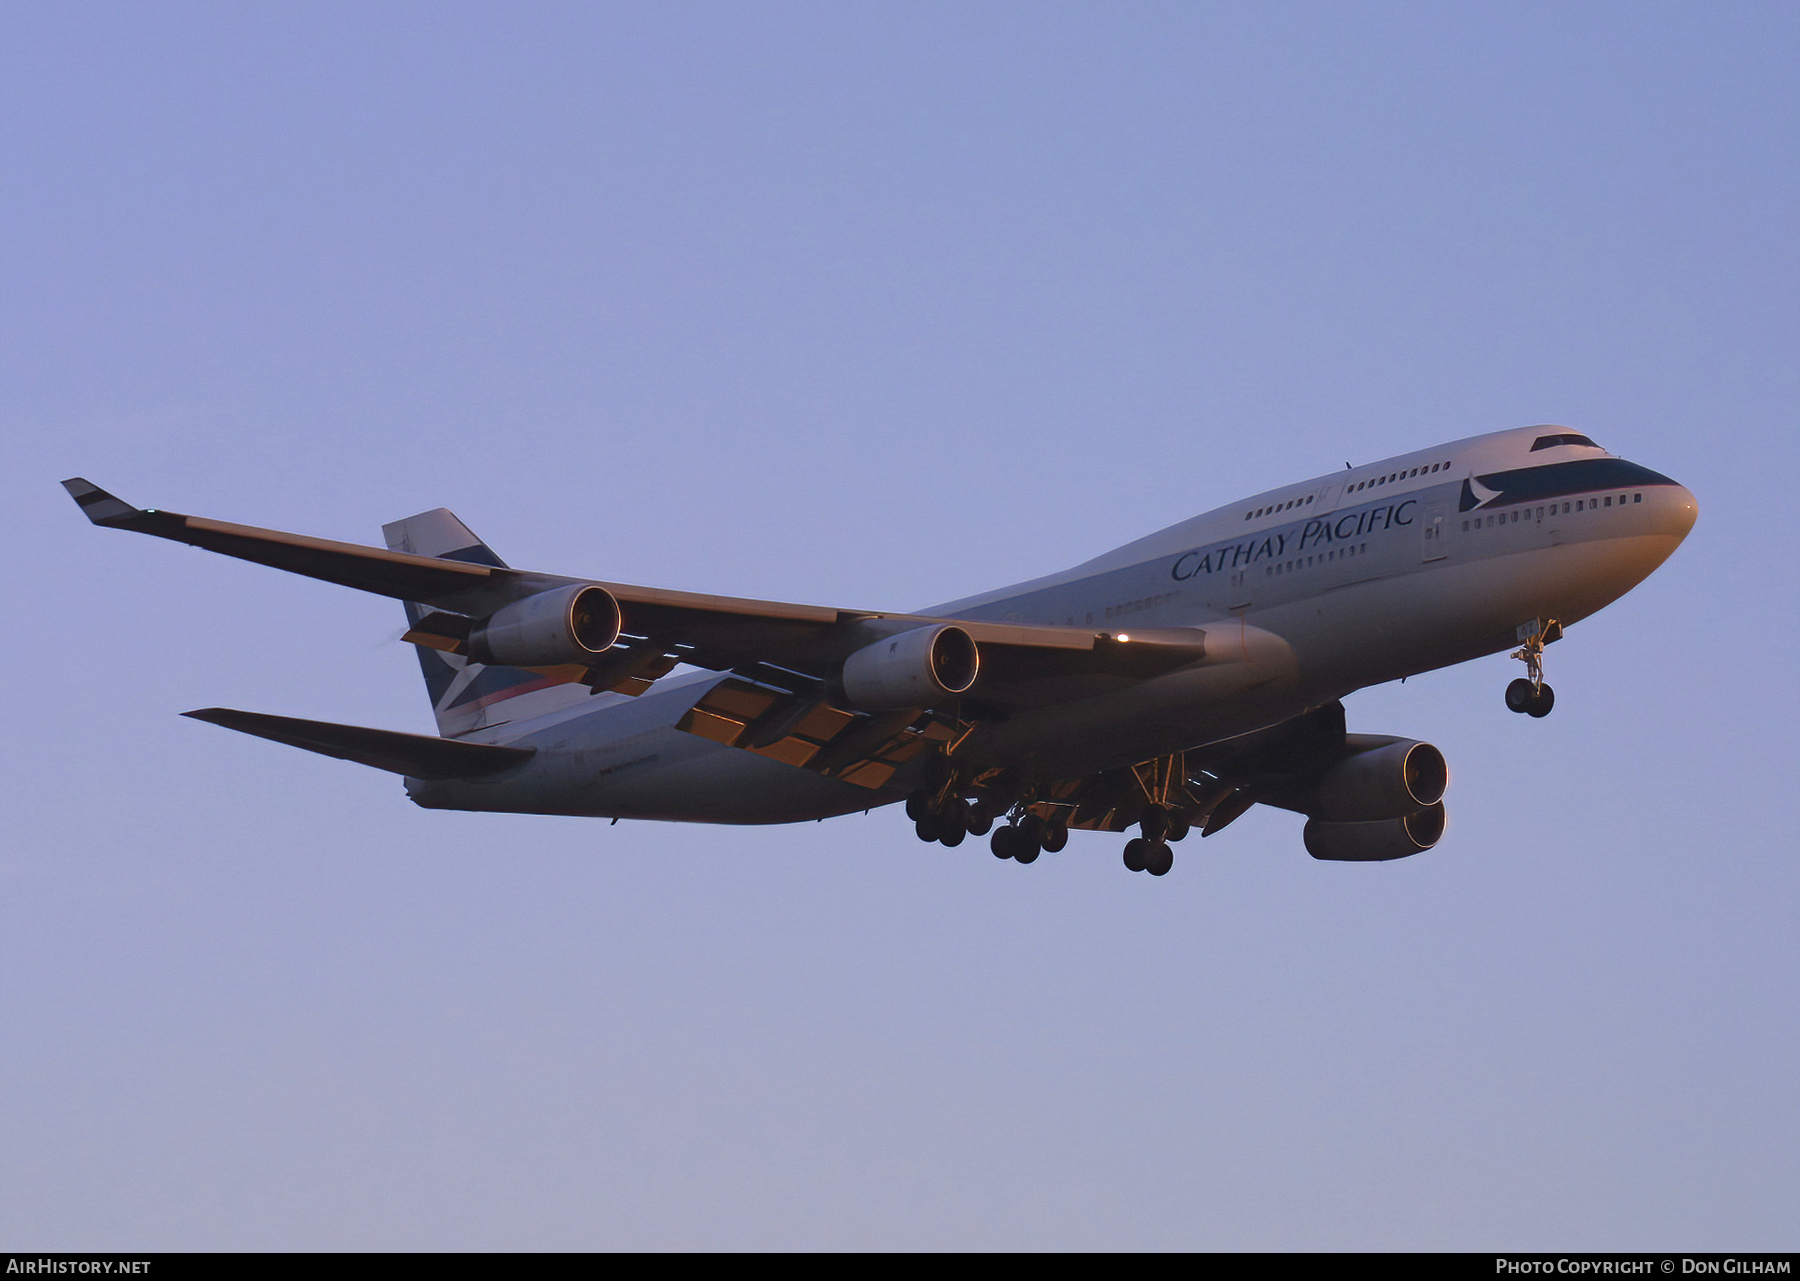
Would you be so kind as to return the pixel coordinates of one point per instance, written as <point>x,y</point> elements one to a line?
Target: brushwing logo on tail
<point>463,693</point>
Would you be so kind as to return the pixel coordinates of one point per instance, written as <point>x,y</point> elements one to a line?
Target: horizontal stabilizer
<point>417,755</point>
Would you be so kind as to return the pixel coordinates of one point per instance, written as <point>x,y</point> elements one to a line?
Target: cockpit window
<point>1565,438</point>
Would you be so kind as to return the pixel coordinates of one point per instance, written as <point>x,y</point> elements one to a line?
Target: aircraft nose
<point>1678,510</point>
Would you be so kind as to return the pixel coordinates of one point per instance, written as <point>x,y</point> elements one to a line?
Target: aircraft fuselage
<point>1305,594</point>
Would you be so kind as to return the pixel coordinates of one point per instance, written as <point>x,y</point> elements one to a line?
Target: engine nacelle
<point>920,668</point>
<point>574,624</point>
<point>1385,783</point>
<point>1376,842</point>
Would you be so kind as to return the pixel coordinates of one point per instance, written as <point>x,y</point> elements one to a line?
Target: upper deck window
<point>1563,438</point>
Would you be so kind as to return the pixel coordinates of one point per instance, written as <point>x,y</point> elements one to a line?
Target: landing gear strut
<point>1160,823</point>
<point>1530,694</point>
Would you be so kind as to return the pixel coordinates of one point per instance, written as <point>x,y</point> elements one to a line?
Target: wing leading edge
<point>770,642</point>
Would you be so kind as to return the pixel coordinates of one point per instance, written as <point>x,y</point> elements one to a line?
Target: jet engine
<point>1375,842</point>
<point>1387,782</point>
<point>920,668</point>
<point>574,624</point>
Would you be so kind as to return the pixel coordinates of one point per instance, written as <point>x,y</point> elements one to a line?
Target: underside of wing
<point>805,730</point>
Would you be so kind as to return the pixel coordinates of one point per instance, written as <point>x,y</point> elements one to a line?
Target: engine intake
<point>1376,842</point>
<point>920,668</point>
<point>573,624</point>
<point>1386,782</point>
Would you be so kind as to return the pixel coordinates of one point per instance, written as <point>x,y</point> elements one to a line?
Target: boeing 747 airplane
<point>1165,686</point>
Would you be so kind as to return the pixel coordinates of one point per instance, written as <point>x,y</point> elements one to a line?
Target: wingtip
<point>96,504</point>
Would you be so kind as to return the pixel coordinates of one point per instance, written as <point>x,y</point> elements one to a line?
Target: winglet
<point>101,507</point>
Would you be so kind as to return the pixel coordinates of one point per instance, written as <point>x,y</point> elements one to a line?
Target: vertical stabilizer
<point>468,696</point>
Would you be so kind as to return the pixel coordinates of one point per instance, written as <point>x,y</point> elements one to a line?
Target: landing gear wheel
<point>1137,854</point>
<point>1154,823</point>
<point>1031,831</point>
<point>1025,851</point>
<point>1178,829</point>
<point>1055,837</point>
<point>1159,860</point>
<point>1530,694</point>
<point>978,821</point>
<point>1001,842</point>
<point>926,828</point>
<point>951,832</point>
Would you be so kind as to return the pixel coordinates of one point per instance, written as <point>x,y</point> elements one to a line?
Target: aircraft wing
<point>788,646</point>
<point>784,659</point>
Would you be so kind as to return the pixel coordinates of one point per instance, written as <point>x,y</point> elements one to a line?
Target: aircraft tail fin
<point>466,696</point>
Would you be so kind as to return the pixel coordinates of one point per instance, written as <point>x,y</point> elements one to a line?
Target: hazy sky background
<point>877,305</point>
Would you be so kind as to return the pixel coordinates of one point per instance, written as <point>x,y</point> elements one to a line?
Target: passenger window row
<point>1388,479</point>
<point>1581,504</point>
<point>1307,562</point>
<point>1279,507</point>
<point>1392,477</point>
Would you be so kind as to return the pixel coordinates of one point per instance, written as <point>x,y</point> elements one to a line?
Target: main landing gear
<point>1150,852</point>
<point>1529,693</point>
<point>940,815</point>
<point>1027,836</point>
<point>938,810</point>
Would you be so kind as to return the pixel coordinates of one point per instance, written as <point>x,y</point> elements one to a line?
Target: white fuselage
<point>1348,580</point>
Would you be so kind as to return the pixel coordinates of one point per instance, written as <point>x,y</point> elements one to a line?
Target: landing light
<point>1123,636</point>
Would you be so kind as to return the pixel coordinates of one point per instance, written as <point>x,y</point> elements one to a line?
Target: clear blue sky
<point>876,305</point>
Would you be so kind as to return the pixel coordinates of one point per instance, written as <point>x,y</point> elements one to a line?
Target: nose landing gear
<point>1529,693</point>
